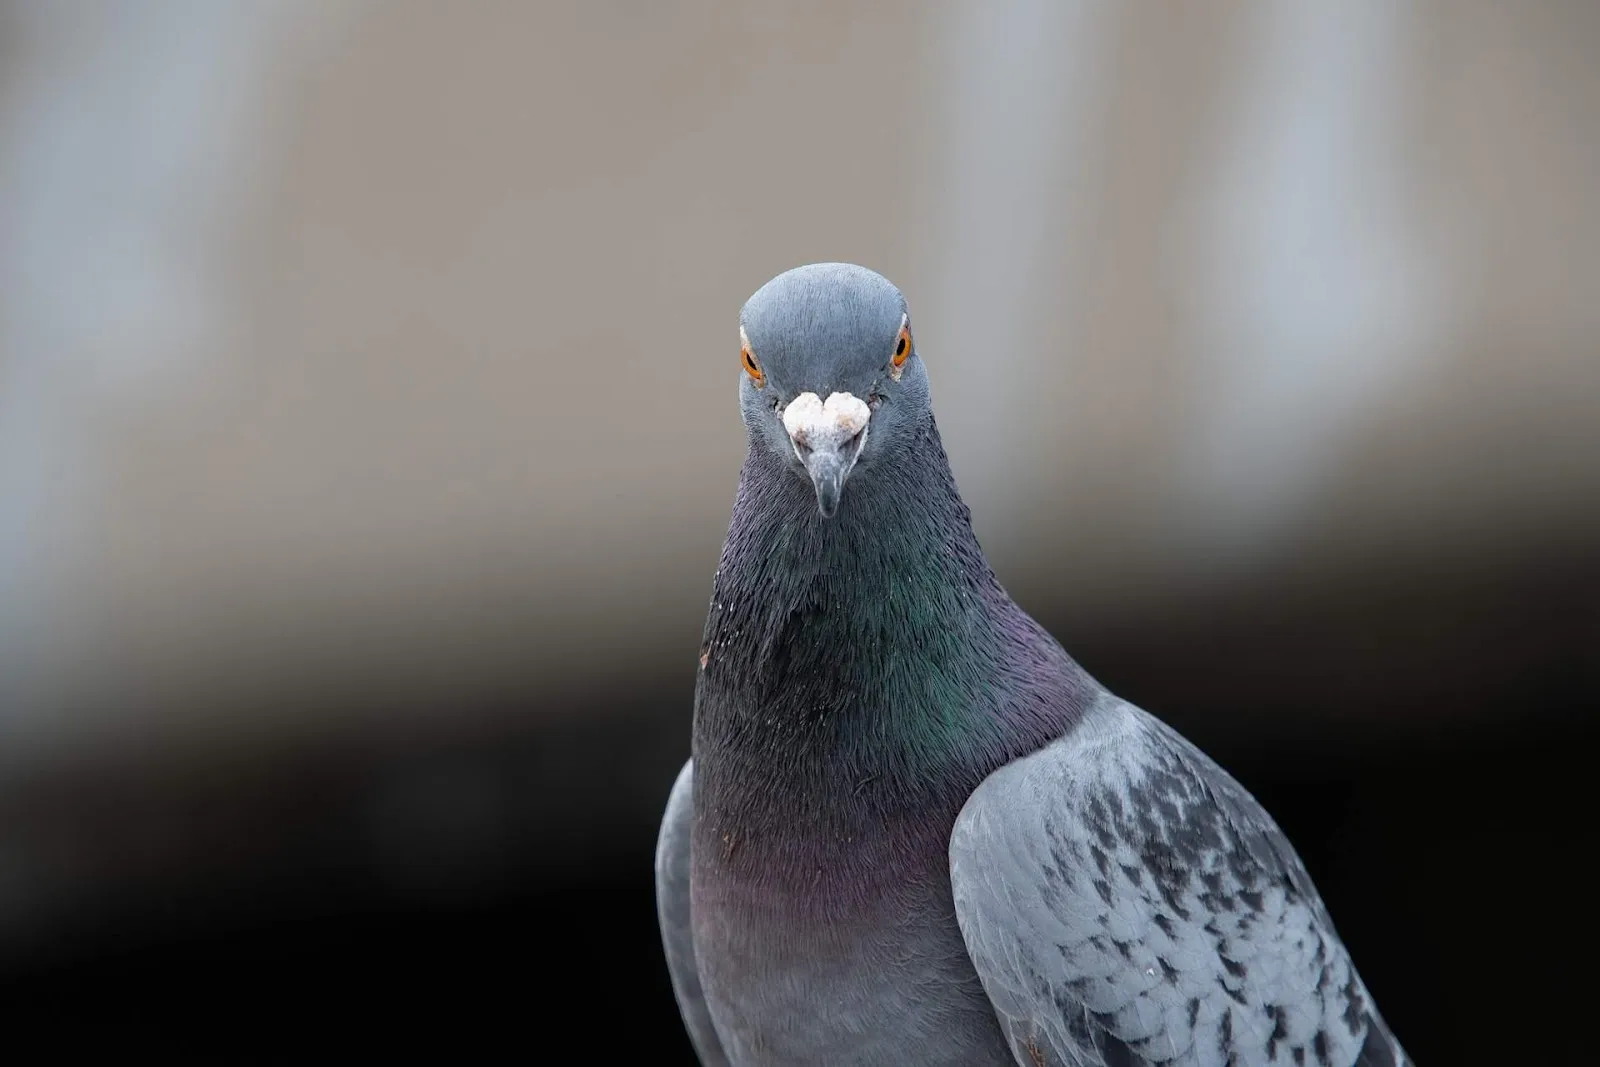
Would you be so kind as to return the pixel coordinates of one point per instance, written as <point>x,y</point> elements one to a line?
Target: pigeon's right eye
<point>751,367</point>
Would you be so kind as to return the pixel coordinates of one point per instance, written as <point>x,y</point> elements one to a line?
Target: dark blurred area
<point>368,435</point>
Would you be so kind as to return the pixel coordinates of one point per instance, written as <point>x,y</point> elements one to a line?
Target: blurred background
<point>351,585</point>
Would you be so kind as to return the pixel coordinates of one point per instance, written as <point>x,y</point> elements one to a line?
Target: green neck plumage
<point>877,636</point>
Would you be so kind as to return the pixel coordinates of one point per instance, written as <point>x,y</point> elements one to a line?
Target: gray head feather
<point>832,328</point>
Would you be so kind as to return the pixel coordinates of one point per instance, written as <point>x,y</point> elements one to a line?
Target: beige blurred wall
<point>445,383</point>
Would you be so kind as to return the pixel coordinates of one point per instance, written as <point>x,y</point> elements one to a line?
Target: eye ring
<point>752,368</point>
<point>748,359</point>
<point>902,350</point>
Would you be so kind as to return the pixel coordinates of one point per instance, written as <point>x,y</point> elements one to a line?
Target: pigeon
<point>912,830</point>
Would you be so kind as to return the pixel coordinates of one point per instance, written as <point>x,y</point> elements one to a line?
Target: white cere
<point>813,423</point>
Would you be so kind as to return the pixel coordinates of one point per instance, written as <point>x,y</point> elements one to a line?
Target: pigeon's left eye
<point>902,345</point>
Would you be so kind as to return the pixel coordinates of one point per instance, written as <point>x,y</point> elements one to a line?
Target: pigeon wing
<point>672,909</point>
<point>1125,901</point>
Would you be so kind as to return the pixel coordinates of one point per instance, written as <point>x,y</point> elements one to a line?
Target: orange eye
<point>902,346</point>
<point>751,367</point>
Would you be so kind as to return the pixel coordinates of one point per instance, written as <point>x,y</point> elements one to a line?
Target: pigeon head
<point>832,386</point>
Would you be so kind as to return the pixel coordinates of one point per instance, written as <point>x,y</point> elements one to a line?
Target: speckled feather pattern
<point>1124,883</point>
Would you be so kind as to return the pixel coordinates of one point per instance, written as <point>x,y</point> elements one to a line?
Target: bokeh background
<point>368,434</point>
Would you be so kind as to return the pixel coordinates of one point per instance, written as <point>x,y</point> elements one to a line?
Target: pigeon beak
<point>828,471</point>
<point>827,438</point>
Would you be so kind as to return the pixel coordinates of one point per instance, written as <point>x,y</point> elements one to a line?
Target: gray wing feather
<point>1125,901</point>
<point>672,909</point>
